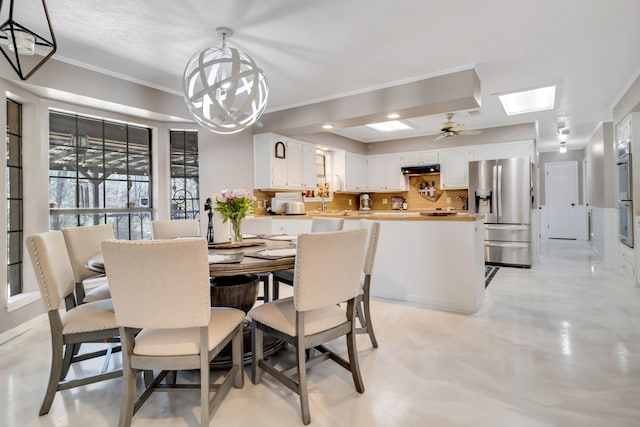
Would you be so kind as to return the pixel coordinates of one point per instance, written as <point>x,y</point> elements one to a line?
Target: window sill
<point>19,301</point>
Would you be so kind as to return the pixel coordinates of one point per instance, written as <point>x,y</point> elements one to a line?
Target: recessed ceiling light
<point>390,126</point>
<point>528,101</point>
<point>328,126</point>
<point>393,116</point>
<point>563,147</point>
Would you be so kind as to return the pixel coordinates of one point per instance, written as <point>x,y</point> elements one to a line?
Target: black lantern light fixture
<point>27,45</point>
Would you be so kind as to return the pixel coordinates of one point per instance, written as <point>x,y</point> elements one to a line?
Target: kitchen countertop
<point>390,215</point>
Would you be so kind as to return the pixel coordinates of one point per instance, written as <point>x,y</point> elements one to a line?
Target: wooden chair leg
<point>257,352</point>
<point>54,374</point>
<point>368,323</point>
<point>301,360</point>
<point>128,379</point>
<point>353,362</point>
<point>69,351</point>
<point>237,355</point>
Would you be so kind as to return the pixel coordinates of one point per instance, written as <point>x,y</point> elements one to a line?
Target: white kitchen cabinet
<point>454,168</point>
<point>356,178</point>
<point>281,163</point>
<point>308,167</point>
<point>419,158</point>
<point>385,173</point>
<point>290,225</point>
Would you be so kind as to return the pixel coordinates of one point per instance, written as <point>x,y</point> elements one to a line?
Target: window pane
<point>14,216</point>
<point>191,142</point>
<point>62,191</point>
<point>115,194</point>
<point>115,135</point>
<point>139,167</point>
<point>89,129</point>
<point>138,139</point>
<point>140,224</point>
<point>93,219</point>
<point>58,222</point>
<point>14,150</point>
<point>14,277</point>
<point>120,224</point>
<point>138,193</point>
<point>14,119</point>
<point>115,165</point>
<point>14,240</point>
<point>61,127</point>
<point>14,186</point>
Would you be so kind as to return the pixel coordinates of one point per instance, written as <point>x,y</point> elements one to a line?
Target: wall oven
<point>625,210</point>
<point>624,177</point>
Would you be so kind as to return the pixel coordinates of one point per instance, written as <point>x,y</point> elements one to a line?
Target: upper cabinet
<point>385,173</point>
<point>503,150</point>
<point>419,158</point>
<point>356,178</point>
<point>282,164</point>
<point>454,168</point>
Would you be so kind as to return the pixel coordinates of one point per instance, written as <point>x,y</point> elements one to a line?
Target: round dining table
<point>227,260</point>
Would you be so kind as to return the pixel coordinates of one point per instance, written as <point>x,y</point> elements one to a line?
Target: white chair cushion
<point>186,341</point>
<point>281,315</point>
<point>93,316</point>
<point>96,293</point>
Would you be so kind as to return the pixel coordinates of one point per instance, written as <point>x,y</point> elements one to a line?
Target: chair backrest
<point>159,283</point>
<point>177,228</point>
<point>328,268</point>
<point>51,266</point>
<point>84,242</point>
<point>257,225</point>
<point>373,232</point>
<point>320,225</point>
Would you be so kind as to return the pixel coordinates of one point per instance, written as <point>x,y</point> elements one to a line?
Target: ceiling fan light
<point>563,147</point>
<point>528,101</point>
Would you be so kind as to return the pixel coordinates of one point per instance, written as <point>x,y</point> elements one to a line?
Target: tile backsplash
<point>415,200</point>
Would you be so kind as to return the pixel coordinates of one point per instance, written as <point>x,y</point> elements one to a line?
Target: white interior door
<point>561,199</point>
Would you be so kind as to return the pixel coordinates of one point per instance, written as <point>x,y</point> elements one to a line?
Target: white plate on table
<point>274,253</point>
<point>225,258</point>
<point>283,237</point>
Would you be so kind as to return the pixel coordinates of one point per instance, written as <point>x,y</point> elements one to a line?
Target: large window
<point>185,200</point>
<point>14,198</point>
<point>99,172</point>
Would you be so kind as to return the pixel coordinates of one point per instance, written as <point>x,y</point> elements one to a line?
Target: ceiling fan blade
<point>456,128</point>
<point>439,137</point>
<point>470,132</point>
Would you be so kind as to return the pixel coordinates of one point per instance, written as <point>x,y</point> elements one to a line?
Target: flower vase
<point>236,230</point>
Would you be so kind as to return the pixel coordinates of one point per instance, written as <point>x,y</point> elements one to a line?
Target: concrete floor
<point>556,345</point>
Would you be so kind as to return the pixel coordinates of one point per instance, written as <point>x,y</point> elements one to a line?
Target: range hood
<point>421,170</point>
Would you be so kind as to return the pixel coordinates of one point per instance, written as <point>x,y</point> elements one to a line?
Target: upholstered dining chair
<point>82,243</point>
<point>260,225</point>
<point>318,225</point>
<point>328,268</point>
<point>90,322</point>
<point>143,277</point>
<point>363,305</point>
<point>161,229</point>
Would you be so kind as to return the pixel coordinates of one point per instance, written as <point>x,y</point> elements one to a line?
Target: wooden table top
<point>248,265</point>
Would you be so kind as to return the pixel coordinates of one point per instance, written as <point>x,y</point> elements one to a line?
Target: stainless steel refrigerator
<point>501,191</point>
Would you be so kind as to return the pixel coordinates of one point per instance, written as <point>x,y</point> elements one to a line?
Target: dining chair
<point>82,243</point>
<point>85,323</point>
<point>327,269</point>
<point>260,225</point>
<point>171,229</point>
<point>363,305</point>
<point>318,225</point>
<point>143,277</point>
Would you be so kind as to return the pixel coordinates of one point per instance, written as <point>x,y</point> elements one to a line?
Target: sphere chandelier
<point>224,89</point>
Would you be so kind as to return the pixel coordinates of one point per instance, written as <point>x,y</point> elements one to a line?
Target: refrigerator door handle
<point>499,195</point>
<point>494,197</point>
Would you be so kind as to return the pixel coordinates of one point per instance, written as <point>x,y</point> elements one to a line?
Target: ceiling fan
<point>450,128</point>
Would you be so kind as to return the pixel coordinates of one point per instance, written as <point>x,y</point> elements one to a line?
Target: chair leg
<point>301,358</point>
<point>275,291</point>
<point>257,352</point>
<point>204,378</point>
<point>367,316</point>
<point>55,373</point>
<point>128,379</point>
<point>353,362</point>
<point>69,351</point>
<point>237,354</point>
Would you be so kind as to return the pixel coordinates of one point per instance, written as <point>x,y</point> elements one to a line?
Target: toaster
<point>294,208</point>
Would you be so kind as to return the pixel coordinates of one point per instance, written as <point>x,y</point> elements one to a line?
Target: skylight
<point>528,101</point>
<point>390,126</point>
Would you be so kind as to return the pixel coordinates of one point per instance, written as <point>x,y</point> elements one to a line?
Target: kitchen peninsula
<point>435,261</point>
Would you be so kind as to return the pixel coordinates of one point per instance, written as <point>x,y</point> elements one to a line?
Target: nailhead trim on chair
<point>41,280</point>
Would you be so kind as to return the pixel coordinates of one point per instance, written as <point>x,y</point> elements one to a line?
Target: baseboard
<point>21,328</point>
